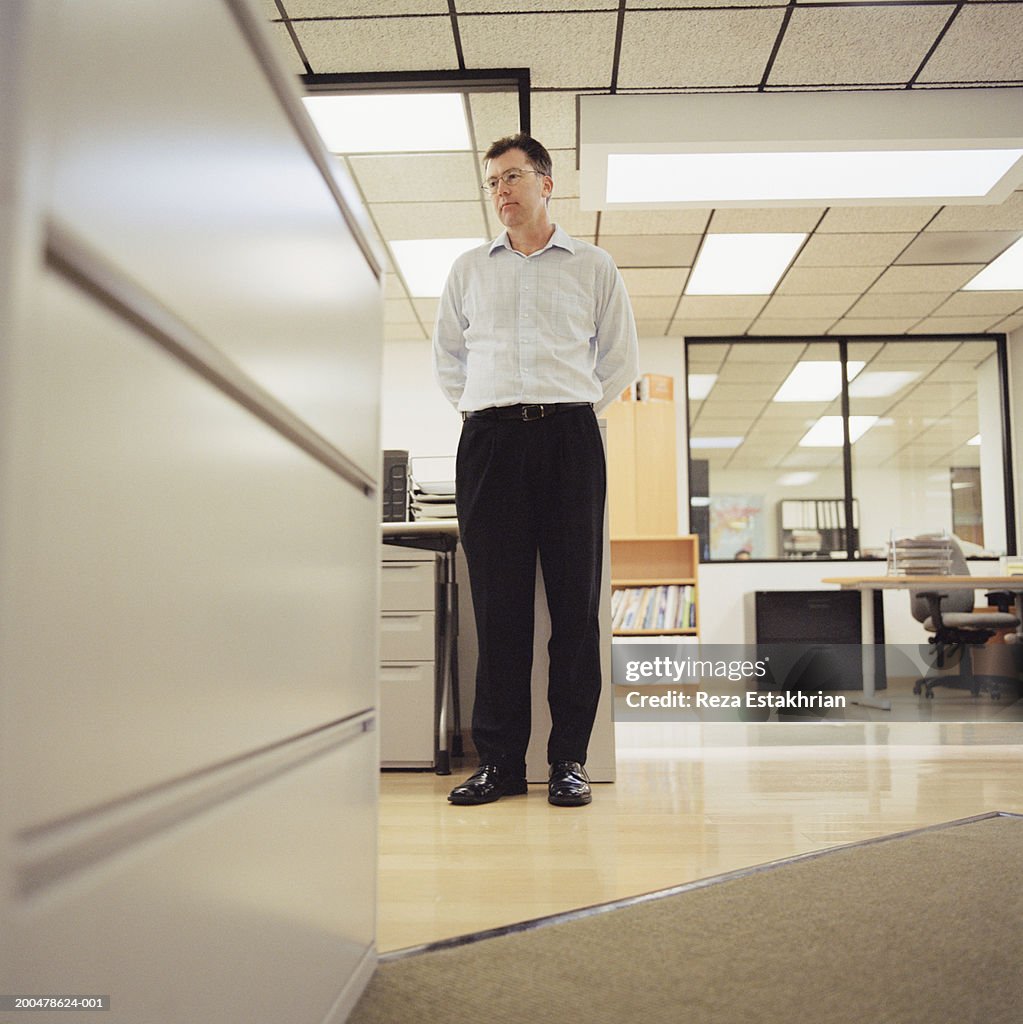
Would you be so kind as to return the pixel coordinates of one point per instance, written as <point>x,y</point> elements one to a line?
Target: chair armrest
<point>1000,599</point>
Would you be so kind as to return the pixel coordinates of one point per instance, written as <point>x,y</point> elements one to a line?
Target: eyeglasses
<point>510,178</point>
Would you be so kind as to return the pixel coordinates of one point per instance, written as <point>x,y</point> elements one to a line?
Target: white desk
<point>866,585</point>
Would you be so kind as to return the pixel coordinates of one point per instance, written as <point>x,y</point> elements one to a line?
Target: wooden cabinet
<point>642,476</point>
<point>657,576</point>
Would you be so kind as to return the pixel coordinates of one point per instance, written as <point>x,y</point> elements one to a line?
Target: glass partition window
<point>787,463</point>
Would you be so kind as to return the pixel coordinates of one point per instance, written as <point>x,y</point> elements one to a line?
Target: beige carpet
<point>919,928</point>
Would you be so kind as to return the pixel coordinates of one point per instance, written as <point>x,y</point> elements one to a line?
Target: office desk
<point>867,585</point>
<point>441,537</point>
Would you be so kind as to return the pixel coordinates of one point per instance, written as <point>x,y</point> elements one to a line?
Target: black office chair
<point>957,629</point>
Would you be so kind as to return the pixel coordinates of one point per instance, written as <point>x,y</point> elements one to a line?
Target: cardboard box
<point>656,387</point>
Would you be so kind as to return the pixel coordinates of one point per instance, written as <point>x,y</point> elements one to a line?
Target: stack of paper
<point>433,487</point>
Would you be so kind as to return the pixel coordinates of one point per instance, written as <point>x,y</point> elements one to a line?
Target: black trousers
<point>523,488</point>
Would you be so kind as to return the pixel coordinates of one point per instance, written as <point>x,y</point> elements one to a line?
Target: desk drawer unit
<point>408,657</point>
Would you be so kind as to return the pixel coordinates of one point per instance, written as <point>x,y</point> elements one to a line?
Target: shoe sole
<point>467,801</point>
<point>569,801</point>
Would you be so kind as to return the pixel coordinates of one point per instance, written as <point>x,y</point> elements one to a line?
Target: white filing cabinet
<point>408,646</point>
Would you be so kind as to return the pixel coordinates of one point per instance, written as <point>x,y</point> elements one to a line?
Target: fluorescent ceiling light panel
<point>797,479</point>
<point>715,442</point>
<point>392,122</point>
<point>881,383</point>
<point>424,263</point>
<point>975,440</point>
<point>826,178</point>
<point>927,146</point>
<point>742,264</point>
<point>1004,274</point>
<point>827,431</point>
<point>699,385</point>
<point>815,381</point>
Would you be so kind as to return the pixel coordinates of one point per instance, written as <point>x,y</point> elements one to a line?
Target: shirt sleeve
<point>617,357</point>
<point>449,350</point>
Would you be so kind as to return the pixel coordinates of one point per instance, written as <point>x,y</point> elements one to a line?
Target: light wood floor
<point>690,801</point>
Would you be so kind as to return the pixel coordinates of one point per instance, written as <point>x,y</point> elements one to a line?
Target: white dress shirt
<point>554,326</point>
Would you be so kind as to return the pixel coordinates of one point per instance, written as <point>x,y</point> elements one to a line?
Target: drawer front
<point>407,586</point>
<point>406,714</point>
<point>253,909</point>
<point>407,636</point>
<point>399,553</point>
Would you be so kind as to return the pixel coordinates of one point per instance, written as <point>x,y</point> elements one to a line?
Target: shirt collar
<point>561,238</point>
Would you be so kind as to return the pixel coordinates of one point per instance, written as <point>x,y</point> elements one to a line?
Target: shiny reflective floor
<point>690,801</point>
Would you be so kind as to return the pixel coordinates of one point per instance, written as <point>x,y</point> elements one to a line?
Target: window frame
<point>843,342</point>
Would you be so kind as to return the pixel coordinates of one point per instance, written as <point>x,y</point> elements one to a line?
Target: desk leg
<point>868,698</point>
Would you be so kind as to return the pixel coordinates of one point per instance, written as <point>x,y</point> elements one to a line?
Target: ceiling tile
<point>736,394</point>
<point>707,358</point>
<point>362,8</point>
<point>927,353</point>
<point>286,48</point>
<point>793,307</point>
<point>377,44</point>
<point>653,280</point>
<point>648,328</point>
<point>566,214</point>
<point>404,332</point>
<point>1007,216</point>
<point>654,307</point>
<point>426,309</point>
<point>924,279</point>
<point>651,250</point>
<point>856,45</point>
<point>1010,323</point>
<point>852,250</point>
<point>741,221</point>
<point>956,247</point>
<point>399,178</point>
<point>750,352</point>
<point>542,42</point>
<point>895,304</point>
<point>828,280</point>
<point>980,304</point>
<point>495,115</point>
<point>769,327</point>
<point>429,220</point>
<point>683,4</point>
<point>745,373</point>
<point>696,48</point>
<point>655,222</point>
<point>974,352</point>
<point>856,219</point>
<point>393,288</point>
<point>399,311</point>
<point>553,116</point>
<point>953,325</point>
<point>566,177</point>
<point>697,327</point>
<point>981,45</point>
<point>893,325</point>
<point>720,306</point>
<point>514,6</point>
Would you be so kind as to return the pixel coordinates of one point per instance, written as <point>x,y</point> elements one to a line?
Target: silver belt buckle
<point>526,412</point>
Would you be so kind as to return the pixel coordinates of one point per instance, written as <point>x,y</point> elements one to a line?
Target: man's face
<point>521,204</point>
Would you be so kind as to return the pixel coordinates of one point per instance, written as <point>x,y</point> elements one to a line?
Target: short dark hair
<point>538,155</point>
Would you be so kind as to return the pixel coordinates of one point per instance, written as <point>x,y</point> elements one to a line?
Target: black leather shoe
<point>569,785</point>
<point>488,783</point>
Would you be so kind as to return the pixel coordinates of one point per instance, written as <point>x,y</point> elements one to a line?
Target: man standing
<point>534,335</point>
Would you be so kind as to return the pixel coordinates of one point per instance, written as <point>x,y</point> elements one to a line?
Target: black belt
<point>523,412</point>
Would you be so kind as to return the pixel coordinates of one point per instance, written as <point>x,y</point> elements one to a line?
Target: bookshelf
<point>661,571</point>
<point>815,527</point>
